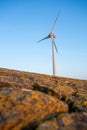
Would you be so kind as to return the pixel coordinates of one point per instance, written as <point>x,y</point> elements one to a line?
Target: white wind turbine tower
<point>54,48</point>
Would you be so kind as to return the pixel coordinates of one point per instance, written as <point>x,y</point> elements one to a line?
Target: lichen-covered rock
<point>81,101</point>
<point>29,100</point>
<point>20,109</point>
<point>73,121</point>
<point>47,81</point>
<point>51,124</point>
<point>63,88</point>
<point>64,92</point>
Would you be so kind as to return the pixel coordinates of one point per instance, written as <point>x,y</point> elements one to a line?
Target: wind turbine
<point>54,48</point>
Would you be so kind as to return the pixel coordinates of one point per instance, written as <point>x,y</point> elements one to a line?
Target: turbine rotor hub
<point>52,35</point>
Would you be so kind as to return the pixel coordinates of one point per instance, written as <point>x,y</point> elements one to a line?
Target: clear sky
<point>24,22</point>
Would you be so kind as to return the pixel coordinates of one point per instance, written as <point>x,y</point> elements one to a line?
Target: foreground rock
<point>31,101</point>
<point>25,110</point>
<point>73,121</point>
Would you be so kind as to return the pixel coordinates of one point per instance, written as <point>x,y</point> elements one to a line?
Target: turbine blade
<point>54,45</point>
<point>44,38</point>
<point>55,21</point>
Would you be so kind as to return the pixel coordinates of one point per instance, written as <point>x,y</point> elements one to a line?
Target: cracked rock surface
<point>30,101</point>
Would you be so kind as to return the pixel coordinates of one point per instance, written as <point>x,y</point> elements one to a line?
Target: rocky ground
<point>30,101</point>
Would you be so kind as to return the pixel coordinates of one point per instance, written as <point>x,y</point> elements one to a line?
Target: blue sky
<point>24,22</point>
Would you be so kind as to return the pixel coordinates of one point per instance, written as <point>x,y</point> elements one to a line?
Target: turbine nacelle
<point>51,35</point>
